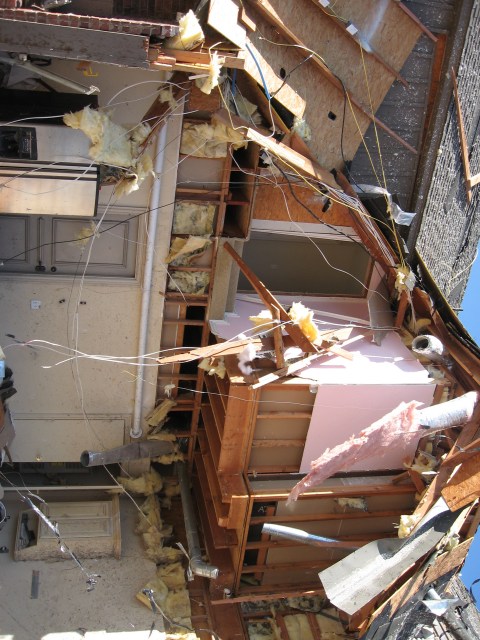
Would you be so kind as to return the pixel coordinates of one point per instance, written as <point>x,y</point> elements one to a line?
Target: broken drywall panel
<point>338,416</point>
<point>209,141</point>
<point>189,282</point>
<point>193,218</point>
<point>223,17</point>
<point>276,202</point>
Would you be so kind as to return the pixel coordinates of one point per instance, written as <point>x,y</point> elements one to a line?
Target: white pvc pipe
<point>136,430</point>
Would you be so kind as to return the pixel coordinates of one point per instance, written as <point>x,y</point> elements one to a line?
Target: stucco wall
<point>86,402</point>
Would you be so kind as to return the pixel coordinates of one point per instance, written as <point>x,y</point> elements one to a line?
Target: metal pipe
<point>430,347</point>
<point>298,535</point>
<point>453,413</point>
<point>22,61</point>
<point>136,430</point>
<point>132,451</point>
<point>197,565</point>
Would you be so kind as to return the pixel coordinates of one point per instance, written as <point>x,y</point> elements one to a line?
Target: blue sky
<point>471,302</point>
<point>470,319</point>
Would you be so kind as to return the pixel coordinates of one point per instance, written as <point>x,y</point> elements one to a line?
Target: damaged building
<point>237,400</point>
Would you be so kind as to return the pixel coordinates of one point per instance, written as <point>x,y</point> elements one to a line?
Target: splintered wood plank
<point>271,302</point>
<point>464,487</point>
<point>440,567</point>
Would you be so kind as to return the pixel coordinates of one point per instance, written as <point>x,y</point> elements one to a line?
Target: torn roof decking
<point>310,92</point>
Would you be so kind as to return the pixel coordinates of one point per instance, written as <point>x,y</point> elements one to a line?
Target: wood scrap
<point>463,487</point>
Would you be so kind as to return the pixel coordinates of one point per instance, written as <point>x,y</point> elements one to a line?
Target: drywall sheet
<point>338,311</point>
<point>390,363</point>
<point>341,411</point>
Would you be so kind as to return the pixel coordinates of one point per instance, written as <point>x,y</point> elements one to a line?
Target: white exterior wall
<point>85,403</point>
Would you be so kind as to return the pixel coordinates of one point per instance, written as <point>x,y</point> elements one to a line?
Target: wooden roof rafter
<point>262,7</point>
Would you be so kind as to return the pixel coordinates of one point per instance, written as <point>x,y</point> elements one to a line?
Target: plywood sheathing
<point>384,25</point>
<point>275,202</point>
<point>308,93</point>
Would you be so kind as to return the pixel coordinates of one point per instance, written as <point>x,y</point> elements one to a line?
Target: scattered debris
<point>148,483</point>
<point>352,503</point>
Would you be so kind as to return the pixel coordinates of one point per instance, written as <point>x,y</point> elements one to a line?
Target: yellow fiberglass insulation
<point>407,524</point>
<point>173,575</point>
<point>352,503</point>
<point>209,140</point>
<point>148,483</point>
<point>183,250</point>
<point>160,412</point>
<point>298,627</point>
<point>141,169</point>
<point>190,33</point>
<point>193,218</point>
<point>262,322</point>
<point>113,144</point>
<point>206,85</point>
<point>213,366</point>
<point>151,515</point>
<point>193,282</point>
<point>175,604</point>
<point>303,317</point>
<point>163,554</point>
<point>330,626</point>
<point>264,630</point>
